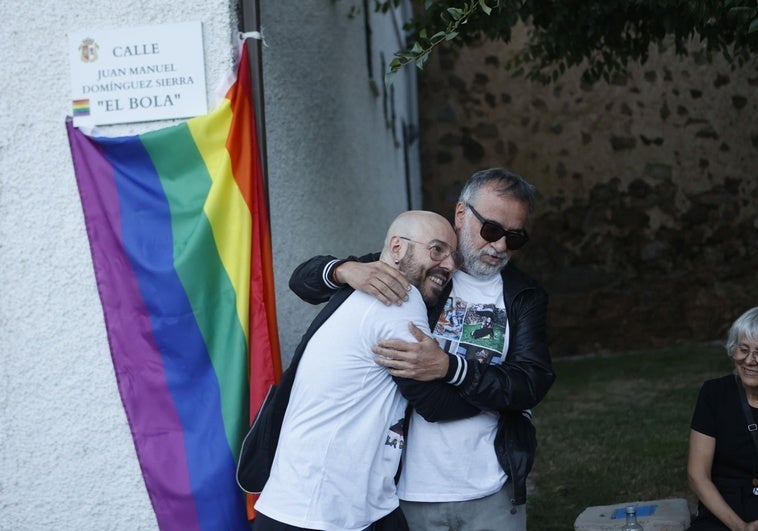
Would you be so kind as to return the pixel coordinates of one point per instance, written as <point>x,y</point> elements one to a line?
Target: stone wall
<point>647,228</point>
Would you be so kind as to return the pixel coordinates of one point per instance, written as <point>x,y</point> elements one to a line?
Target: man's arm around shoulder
<point>317,279</point>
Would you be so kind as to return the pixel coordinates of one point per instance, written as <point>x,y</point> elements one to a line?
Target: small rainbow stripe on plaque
<point>81,107</point>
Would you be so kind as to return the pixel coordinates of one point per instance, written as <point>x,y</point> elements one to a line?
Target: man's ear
<point>460,213</point>
<point>397,251</point>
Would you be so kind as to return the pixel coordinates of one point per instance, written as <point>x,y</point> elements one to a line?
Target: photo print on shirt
<point>396,435</point>
<point>473,331</point>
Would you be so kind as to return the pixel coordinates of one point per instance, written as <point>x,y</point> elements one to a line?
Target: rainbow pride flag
<point>178,228</point>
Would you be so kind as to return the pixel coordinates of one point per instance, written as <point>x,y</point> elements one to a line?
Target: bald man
<point>343,431</point>
<point>490,342</point>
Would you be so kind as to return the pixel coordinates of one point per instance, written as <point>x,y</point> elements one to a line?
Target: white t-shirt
<point>456,461</point>
<point>342,435</point>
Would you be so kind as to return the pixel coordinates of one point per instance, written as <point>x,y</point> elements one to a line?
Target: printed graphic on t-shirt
<point>473,331</point>
<point>396,436</point>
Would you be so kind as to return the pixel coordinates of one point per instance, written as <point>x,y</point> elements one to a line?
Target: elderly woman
<point>723,459</point>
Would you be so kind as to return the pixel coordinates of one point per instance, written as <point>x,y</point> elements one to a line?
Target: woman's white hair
<point>745,328</point>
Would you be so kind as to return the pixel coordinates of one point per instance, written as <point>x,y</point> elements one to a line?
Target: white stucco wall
<point>336,180</point>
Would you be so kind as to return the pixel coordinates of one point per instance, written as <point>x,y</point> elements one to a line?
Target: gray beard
<point>471,263</point>
<point>477,269</point>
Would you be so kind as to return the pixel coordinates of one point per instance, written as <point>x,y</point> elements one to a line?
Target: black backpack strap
<point>258,448</point>
<point>752,427</point>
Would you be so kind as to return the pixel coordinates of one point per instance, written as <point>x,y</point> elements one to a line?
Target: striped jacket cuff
<point>456,370</point>
<point>326,274</point>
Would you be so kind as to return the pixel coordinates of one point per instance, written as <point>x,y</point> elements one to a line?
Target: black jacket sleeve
<point>436,401</point>
<point>526,375</point>
<point>308,280</point>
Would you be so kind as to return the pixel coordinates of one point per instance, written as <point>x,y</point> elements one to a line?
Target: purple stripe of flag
<point>155,425</point>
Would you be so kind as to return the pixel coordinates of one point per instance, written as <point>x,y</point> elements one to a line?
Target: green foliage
<point>448,28</point>
<point>602,36</point>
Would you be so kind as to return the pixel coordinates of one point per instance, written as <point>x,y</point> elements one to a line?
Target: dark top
<point>718,413</point>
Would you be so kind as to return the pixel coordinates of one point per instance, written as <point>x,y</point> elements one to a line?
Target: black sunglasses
<point>492,232</point>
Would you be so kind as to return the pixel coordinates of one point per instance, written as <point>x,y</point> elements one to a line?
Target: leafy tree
<point>601,35</point>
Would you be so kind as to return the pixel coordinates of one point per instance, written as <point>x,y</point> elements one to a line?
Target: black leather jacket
<point>516,385</point>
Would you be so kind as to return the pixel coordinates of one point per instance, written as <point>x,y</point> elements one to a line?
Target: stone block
<point>657,515</point>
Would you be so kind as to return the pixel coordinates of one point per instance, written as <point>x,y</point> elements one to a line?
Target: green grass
<point>615,429</point>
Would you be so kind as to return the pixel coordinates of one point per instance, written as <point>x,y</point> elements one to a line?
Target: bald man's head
<point>422,245</point>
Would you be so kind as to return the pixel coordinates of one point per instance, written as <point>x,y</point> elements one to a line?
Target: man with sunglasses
<point>467,474</point>
<point>342,434</point>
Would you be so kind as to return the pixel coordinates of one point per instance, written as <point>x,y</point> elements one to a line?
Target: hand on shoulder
<point>423,360</point>
<point>380,280</point>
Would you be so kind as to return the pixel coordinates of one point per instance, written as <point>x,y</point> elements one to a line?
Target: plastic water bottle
<point>631,520</point>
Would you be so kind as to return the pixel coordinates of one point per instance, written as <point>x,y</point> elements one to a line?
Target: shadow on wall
<point>646,233</point>
<point>620,279</point>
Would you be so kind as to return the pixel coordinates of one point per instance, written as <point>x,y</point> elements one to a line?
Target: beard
<point>417,276</point>
<point>471,257</point>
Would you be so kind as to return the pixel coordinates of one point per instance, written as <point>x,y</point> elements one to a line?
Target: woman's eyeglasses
<point>743,351</point>
<point>492,232</point>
